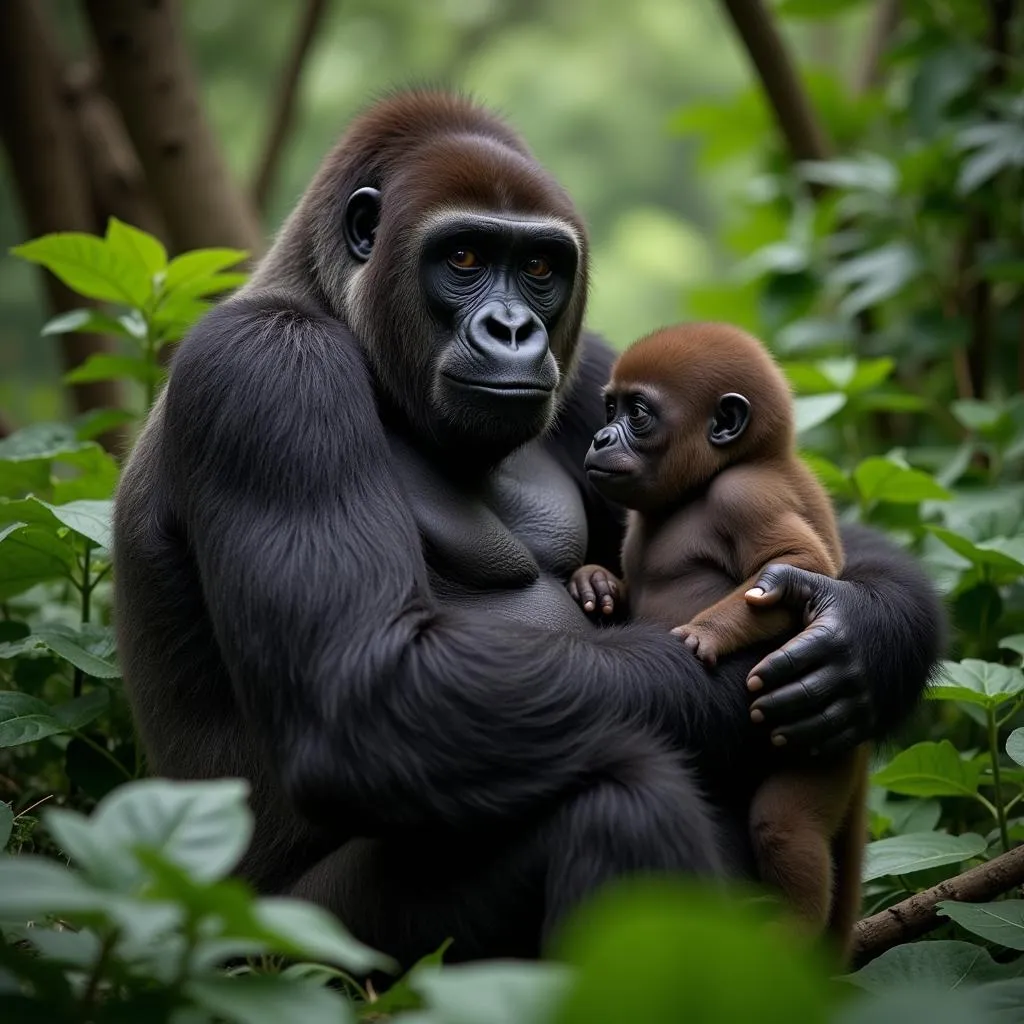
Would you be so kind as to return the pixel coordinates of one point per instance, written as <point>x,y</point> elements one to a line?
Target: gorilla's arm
<point>369,701</point>
<point>861,668</point>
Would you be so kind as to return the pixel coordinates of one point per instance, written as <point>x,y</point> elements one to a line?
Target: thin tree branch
<point>39,137</point>
<point>284,110</point>
<point>916,916</point>
<point>147,69</point>
<point>884,21</point>
<point>790,104</point>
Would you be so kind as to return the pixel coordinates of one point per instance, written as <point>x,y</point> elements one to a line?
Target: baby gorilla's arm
<point>592,586</point>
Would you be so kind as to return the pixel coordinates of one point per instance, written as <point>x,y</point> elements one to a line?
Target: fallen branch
<point>916,916</point>
<point>790,104</point>
<point>284,110</point>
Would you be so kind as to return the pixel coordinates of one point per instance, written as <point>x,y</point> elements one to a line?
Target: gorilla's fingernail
<point>755,592</point>
<point>588,606</point>
<point>757,716</point>
<point>779,741</point>
<point>755,683</point>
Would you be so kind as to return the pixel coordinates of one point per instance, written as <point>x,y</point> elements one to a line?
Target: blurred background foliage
<point>594,88</point>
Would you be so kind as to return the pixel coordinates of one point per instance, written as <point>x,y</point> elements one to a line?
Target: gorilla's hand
<point>816,692</point>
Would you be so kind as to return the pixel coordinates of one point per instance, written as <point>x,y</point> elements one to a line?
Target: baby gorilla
<point>700,446</point>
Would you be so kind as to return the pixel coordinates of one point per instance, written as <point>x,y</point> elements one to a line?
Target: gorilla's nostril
<point>512,333</point>
<point>497,330</point>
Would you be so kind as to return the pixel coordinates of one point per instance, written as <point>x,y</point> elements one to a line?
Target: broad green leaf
<point>985,418</point>
<point>40,441</point>
<point>807,378</point>
<point>25,719</point>
<point>875,276</point>
<point>32,887</point>
<point>812,410</point>
<point>200,263</point>
<point>929,769</point>
<point>830,475</point>
<point>869,373</point>
<point>918,851</point>
<point>987,553</point>
<point>31,554</point>
<point>6,823</point>
<point>96,480</point>
<point>907,1005</point>
<point>939,964</point>
<point>870,173</point>
<point>317,934</point>
<point>1015,746</point>
<point>671,941</point>
<point>137,246</point>
<point>977,682</point>
<point>269,999</point>
<point>1001,922</point>
<point>198,287</point>
<point>70,645</point>
<point>90,321</point>
<point>77,949</point>
<point>88,518</point>
<point>97,421</point>
<point>494,993</point>
<point>879,479</point>
<point>77,713</point>
<point>103,366</point>
<point>89,266</point>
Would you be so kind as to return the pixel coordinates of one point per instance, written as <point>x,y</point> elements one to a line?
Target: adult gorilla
<point>342,543</point>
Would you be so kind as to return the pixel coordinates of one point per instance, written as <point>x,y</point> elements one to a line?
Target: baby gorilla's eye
<point>639,416</point>
<point>464,259</point>
<point>537,267</point>
<point>609,410</point>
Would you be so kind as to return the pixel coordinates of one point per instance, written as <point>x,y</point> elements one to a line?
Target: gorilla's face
<point>474,317</point>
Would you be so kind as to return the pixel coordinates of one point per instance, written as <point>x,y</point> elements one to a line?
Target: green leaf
<point>31,554</point>
<point>103,366</point>
<point>985,553</point>
<point>200,263</point>
<point>269,999</point>
<point>494,993</point>
<point>960,1006</point>
<point>202,827</point>
<point>98,421</point>
<point>919,851</point>
<point>875,276</point>
<point>984,683</point>
<point>88,518</point>
<point>33,887</point>
<point>879,479</point>
<point>929,769</point>
<point>70,644</point>
<point>939,964</point>
<point>976,415</point>
<point>1015,746</point>
<point>25,719</point>
<point>199,287</point>
<point>869,173</point>
<point>1001,922</point>
<point>137,246</point>
<point>89,266</point>
<point>88,321</point>
<point>1013,643</point>
<point>76,714</point>
<point>313,932</point>
<point>6,823</point>
<point>812,410</point>
<point>830,475</point>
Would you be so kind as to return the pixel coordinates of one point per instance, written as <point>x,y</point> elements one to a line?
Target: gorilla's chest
<point>522,526</point>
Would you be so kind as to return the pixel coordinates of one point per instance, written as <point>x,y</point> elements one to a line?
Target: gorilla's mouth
<point>504,389</point>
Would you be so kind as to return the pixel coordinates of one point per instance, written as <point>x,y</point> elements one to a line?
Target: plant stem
<point>86,592</point>
<point>993,750</point>
<point>96,975</point>
<point>103,752</point>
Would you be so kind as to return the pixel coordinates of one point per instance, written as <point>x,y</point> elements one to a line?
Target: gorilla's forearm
<point>370,701</point>
<point>900,625</point>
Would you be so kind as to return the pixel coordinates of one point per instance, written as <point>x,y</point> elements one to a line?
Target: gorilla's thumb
<point>780,583</point>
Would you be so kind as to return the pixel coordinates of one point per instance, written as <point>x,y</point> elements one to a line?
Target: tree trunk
<point>39,138</point>
<point>150,77</point>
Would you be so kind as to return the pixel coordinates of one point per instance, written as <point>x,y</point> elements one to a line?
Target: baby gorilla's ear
<point>732,414</point>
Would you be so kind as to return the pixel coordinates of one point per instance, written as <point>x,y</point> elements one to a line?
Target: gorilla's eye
<point>464,259</point>
<point>537,267</point>
<point>639,416</point>
<point>609,410</point>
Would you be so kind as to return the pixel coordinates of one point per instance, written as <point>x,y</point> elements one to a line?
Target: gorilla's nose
<point>603,438</point>
<point>501,329</point>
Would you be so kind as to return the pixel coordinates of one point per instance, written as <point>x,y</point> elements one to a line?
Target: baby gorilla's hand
<point>700,638</point>
<point>593,584</point>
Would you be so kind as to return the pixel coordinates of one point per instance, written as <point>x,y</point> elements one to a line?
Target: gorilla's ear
<point>362,211</point>
<point>732,414</point>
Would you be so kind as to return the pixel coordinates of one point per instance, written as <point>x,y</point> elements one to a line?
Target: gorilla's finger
<point>785,584</point>
<point>796,700</point>
<point>587,598</point>
<point>823,728</point>
<point>808,650</point>
<point>605,590</point>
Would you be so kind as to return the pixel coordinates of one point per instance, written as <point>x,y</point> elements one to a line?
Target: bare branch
<point>284,110</point>
<point>790,104</point>
<point>916,916</point>
<point>39,137</point>
<point>150,77</point>
<point>884,21</point>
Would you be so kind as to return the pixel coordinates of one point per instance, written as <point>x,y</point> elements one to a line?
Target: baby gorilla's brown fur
<point>700,445</point>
